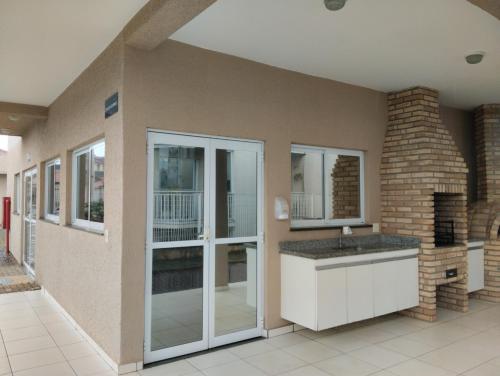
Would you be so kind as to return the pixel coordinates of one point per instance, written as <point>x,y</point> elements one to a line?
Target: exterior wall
<point>80,269</point>
<point>182,88</point>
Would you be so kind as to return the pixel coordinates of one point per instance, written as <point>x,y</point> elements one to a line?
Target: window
<point>17,194</point>
<point>327,187</point>
<point>88,187</point>
<point>52,189</point>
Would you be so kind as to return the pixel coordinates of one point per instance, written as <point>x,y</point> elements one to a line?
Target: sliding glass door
<point>204,244</point>
<point>29,219</point>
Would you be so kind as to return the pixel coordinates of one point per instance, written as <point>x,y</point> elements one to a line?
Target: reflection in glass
<point>236,193</point>
<point>54,181</point>
<point>307,185</point>
<point>97,183</point>
<point>178,193</point>
<point>82,194</point>
<point>235,287</point>
<point>343,181</point>
<point>177,300</point>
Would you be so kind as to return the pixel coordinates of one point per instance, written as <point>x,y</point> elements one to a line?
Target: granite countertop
<point>351,246</point>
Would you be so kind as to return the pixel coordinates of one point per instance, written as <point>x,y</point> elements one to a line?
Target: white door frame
<point>29,174</point>
<point>210,145</point>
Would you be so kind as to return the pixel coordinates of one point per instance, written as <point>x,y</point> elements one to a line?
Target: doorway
<point>204,244</point>
<point>29,220</point>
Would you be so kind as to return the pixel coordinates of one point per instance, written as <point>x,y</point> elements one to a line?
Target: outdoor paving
<point>13,278</point>
<point>37,340</point>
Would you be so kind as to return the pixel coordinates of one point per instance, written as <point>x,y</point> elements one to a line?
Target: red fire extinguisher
<point>6,222</point>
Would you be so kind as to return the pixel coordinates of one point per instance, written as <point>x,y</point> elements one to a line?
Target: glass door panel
<point>235,287</point>
<point>236,247</point>
<point>177,301</point>
<point>30,192</point>
<point>178,247</point>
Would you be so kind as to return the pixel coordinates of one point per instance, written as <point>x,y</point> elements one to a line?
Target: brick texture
<point>422,169</point>
<point>345,197</point>
<point>485,214</point>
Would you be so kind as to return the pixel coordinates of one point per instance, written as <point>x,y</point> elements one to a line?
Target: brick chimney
<point>424,187</point>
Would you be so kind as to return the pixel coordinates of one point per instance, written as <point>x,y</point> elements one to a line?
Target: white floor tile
<point>239,368</point>
<point>379,356</point>
<point>346,365</point>
<point>345,341</point>
<point>58,369</point>
<point>179,368</point>
<point>29,344</point>
<point>4,366</point>
<point>250,349</point>
<point>307,371</point>
<point>286,340</point>
<point>66,337</point>
<point>311,351</point>
<point>89,365</point>
<point>417,368</point>
<point>77,350</point>
<point>486,369</point>
<point>407,347</point>
<point>275,362</point>
<point>24,333</point>
<point>212,359</point>
<point>35,359</point>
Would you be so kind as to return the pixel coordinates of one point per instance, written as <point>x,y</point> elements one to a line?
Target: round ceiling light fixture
<point>334,4</point>
<point>13,118</point>
<point>475,57</point>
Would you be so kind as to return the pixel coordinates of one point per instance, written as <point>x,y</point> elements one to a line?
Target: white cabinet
<point>359,293</point>
<point>476,267</point>
<point>325,293</point>
<point>331,298</point>
<point>385,285</point>
<point>407,289</point>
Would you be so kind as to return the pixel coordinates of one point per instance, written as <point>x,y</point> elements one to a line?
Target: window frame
<point>51,217</point>
<point>16,207</point>
<point>326,196</point>
<point>85,224</point>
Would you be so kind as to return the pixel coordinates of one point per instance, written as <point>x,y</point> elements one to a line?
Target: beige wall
<point>79,268</point>
<point>181,88</point>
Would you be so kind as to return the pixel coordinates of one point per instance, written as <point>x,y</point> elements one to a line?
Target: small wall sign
<point>111,105</point>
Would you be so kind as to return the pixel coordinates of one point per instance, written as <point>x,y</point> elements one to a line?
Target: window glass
<point>307,185</point>
<point>88,199</point>
<point>17,193</point>
<point>326,186</point>
<point>53,183</point>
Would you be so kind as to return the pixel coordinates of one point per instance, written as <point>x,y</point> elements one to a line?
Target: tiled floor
<point>38,341</point>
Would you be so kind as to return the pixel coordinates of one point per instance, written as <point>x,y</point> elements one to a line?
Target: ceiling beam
<point>159,19</point>
<point>490,6</point>
<point>16,118</point>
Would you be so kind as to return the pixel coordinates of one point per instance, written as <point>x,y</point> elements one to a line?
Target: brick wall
<point>345,195</point>
<point>485,214</point>
<point>420,159</point>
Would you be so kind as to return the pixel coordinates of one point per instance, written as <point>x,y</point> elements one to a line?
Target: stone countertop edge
<point>328,248</point>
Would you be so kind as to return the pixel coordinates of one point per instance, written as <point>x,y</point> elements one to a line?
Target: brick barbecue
<point>424,185</point>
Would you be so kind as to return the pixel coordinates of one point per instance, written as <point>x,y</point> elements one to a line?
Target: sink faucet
<point>345,230</point>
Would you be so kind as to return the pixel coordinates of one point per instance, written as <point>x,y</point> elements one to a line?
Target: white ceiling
<point>381,44</point>
<point>46,44</point>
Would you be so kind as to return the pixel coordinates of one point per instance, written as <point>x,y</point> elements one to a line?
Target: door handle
<point>205,235</point>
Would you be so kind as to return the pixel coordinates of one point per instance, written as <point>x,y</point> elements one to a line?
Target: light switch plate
<point>376,227</point>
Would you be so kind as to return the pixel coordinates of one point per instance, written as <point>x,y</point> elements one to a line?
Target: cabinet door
<point>384,288</point>
<point>407,283</point>
<point>476,269</point>
<point>359,293</point>
<point>331,298</point>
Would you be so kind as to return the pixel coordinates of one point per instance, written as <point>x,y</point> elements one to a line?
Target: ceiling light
<point>334,4</point>
<point>13,118</point>
<point>475,57</point>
